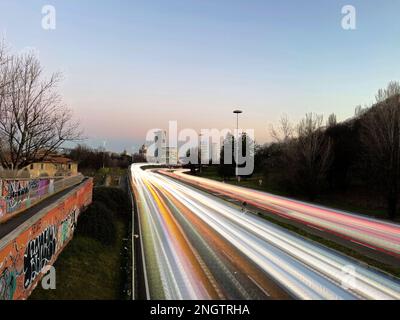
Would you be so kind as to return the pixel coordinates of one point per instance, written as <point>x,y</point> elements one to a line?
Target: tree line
<point>93,159</point>
<point>314,157</point>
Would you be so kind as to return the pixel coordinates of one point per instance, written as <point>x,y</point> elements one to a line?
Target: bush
<point>98,222</point>
<point>114,199</point>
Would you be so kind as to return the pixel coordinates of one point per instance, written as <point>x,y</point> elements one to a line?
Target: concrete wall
<point>38,242</point>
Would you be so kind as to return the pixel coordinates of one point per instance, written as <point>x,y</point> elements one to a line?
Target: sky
<point>130,66</point>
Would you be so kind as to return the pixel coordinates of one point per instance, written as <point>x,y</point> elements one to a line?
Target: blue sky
<point>130,66</point>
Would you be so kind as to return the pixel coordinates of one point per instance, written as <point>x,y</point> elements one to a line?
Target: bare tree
<point>3,61</point>
<point>284,132</point>
<point>312,154</point>
<point>381,140</point>
<point>332,120</point>
<point>304,152</point>
<point>392,89</point>
<point>33,120</point>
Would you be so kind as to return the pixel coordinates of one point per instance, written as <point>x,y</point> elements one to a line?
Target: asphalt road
<point>198,246</point>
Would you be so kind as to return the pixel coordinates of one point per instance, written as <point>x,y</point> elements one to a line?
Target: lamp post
<point>237,112</point>
<point>104,152</point>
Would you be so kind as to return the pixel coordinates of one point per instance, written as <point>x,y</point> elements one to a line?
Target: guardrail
<point>32,191</point>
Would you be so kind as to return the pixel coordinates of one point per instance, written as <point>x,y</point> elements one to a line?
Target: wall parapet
<point>17,195</point>
<point>36,243</point>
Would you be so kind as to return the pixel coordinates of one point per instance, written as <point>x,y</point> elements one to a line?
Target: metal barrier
<point>33,193</point>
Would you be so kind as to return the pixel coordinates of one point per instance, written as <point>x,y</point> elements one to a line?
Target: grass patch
<point>89,269</point>
<point>86,269</point>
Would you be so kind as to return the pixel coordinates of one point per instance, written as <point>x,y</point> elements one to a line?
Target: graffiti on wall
<point>67,227</point>
<point>3,207</point>
<point>12,269</point>
<point>23,259</point>
<point>16,194</point>
<point>38,254</point>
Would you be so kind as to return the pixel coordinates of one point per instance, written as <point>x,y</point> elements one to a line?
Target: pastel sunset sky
<point>130,66</point>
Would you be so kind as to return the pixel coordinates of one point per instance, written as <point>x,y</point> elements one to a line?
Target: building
<point>52,166</point>
<point>163,153</point>
<point>204,149</point>
<point>171,155</point>
<point>215,152</point>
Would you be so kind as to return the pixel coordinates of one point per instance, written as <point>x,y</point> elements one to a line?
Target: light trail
<point>181,274</point>
<point>303,269</point>
<point>377,234</point>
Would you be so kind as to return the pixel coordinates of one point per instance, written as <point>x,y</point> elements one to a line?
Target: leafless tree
<point>392,89</point>
<point>381,140</point>
<point>3,60</point>
<point>312,152</point>
<point>305,153</point>
<point>33,120</point>
<point>332,120</point>
<point>284,132</point>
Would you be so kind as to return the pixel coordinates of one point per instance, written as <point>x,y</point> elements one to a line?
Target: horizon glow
<point>131,66</point>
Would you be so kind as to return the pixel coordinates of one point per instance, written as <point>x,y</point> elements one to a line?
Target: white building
<point>215,152</point>
<point>171,155</point>
<point>163,154</point>
<point>204,149</point>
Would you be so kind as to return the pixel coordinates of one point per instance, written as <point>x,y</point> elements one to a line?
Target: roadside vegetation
<point>352,165</point>
<point>96,264</point>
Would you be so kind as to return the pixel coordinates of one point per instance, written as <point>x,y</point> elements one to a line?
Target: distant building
<point>163,153</point>
<point>143,151</point>
<point>171,155</point>
<point>204,149</point>
<point>215,152</point>
<point>52,166</point>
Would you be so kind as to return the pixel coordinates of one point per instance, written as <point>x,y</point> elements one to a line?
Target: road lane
<point>208,249</point>
<point>181,274</point>
<point>231,269</point>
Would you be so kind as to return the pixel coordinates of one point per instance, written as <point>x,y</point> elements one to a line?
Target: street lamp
<point>237,112</point>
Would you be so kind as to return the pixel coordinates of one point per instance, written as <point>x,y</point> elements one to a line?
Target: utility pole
<point>104,152</point>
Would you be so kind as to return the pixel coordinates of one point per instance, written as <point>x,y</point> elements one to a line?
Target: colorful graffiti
<point>15,192</point>
<point>13,269</point>
<point>38,254</point>
<point>3,207</point>
<point>67,226</point>
<point>18,194</point>
<point>23,259</point>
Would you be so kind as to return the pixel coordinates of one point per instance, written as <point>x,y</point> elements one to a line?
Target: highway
<point>198,246</point>
<point>371,233</point>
